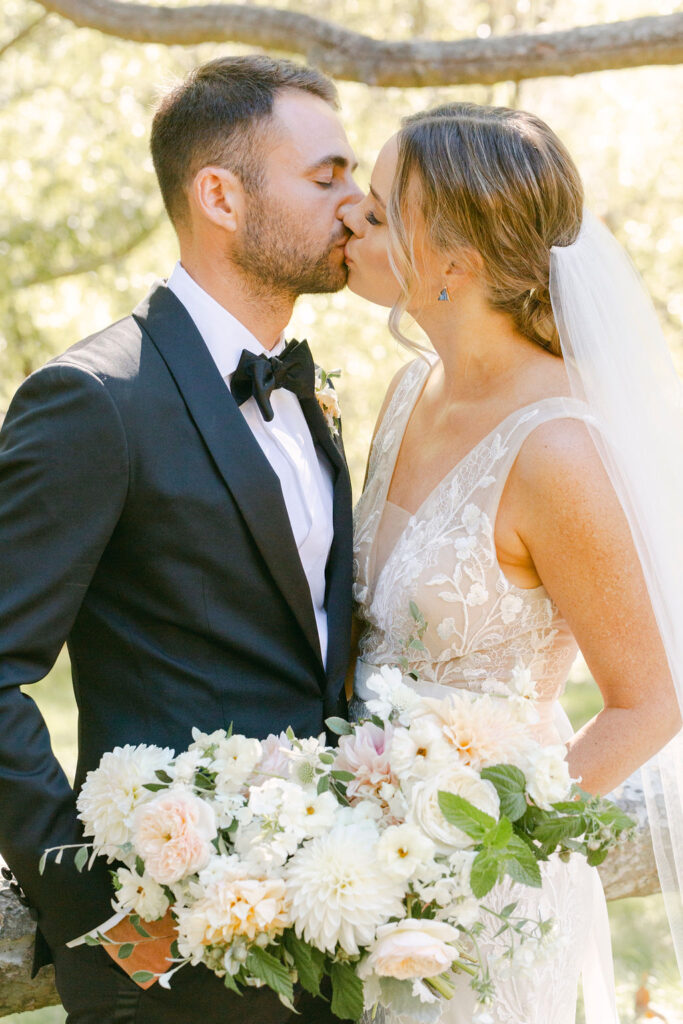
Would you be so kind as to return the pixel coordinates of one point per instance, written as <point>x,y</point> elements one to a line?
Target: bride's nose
<point>353,218</point>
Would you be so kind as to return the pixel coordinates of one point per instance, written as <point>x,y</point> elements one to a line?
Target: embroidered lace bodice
<point>481,628</point>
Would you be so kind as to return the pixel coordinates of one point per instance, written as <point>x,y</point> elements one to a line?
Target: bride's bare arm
<point>577,536</point>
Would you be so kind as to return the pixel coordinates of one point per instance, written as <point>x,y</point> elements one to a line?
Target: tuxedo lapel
<point>246,471</point>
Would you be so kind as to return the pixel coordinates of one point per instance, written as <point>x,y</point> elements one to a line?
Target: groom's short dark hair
<point>214,117</point>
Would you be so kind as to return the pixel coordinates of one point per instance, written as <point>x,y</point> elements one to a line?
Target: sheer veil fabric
<point>619,364</point>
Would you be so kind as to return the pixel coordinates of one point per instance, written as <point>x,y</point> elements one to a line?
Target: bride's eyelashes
<point>371,219</point>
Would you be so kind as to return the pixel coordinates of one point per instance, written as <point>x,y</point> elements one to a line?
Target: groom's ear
<point>217,195</point>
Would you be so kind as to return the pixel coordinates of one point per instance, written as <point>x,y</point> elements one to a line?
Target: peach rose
<point>173,834</point>
<point>413,949</point>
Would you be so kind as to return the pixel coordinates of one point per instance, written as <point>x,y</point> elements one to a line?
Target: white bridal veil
<point>619,363</point>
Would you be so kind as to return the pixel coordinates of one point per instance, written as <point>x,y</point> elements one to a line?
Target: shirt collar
<point>223,334</point>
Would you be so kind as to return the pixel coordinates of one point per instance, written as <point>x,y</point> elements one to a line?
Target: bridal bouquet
<point>286,860</point>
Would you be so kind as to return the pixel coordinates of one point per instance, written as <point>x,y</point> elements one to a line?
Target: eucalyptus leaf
<point>339,726</point>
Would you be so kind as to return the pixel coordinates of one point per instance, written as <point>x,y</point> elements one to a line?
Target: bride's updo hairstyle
<point>492,180</point>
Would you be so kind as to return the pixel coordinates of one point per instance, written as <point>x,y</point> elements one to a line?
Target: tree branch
<point>354,57</point>
<point>91,262</point>
<point>23,33</point>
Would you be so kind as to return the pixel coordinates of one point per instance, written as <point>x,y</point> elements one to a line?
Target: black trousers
<point>94,990</point>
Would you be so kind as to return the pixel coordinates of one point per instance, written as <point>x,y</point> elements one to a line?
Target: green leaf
<point>135,921</point>
<point>499,835</point>
<point>163,776</point>
<point>554,830</point>
<point>142,976</point>
<point>347,992</point>
<point>464,815</point>
<point>175,952</point>
<point>309,961</point>
<point>268,968</point>
<point>80,858</point>
<point>485,872</point>
<point>521,864</point>
<point>596,857</point>
<point>417,645</point>
<point>154,787</point>
<point>125,950</point>
<point>337,773</point>
<point>327,758</point>
<point>510,785</point>
<point>90,940</point>
<point>42,863</point>
<point>323,784</point>
<point>140,866</point>
<point>339,726</point>
<point>230,983</point>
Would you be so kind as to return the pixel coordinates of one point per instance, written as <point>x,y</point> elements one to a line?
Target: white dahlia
<point>340,893</point>
<point>483,730</point>
<point>114,790</point>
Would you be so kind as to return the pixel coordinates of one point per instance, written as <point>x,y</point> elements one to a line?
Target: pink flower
<point>173,834</point>
<point>274,761</point>
<point>365,754</point>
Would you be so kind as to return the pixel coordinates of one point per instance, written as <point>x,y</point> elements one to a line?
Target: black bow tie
<point>260,375</point>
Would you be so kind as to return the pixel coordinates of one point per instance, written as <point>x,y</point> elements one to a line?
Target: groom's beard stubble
<point>278,258</point>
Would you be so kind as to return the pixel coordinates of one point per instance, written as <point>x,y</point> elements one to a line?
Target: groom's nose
<point>352,198</point>
<point>353,215</point>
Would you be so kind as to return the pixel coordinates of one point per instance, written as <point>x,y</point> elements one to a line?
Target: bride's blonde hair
<point>494,181</point>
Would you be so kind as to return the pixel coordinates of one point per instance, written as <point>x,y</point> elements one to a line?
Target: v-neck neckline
<point>458,465</point>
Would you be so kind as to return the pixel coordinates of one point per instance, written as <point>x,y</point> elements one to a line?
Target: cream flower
<point>232,905</point>
<point>446,628</point>
<point>483,730</point>
<point>234,760</point>
<point>274,760</point>
<point>392,695</point>
<point>465,547</point>
<point>426,813</point>
<point>339,892</point>
<point>365,753</point>
<point>548,780</point>
<point>413,948</point>
<point>329,404</point>
<point>172,833</point>
<point>141,895</point>
<point>115,789</point>
<point>403,849</point>
<point>419,750</point>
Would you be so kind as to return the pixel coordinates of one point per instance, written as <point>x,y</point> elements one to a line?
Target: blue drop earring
<point>444,296</point>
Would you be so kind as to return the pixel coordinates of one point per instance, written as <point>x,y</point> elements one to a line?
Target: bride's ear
<point>218,196</point>
<point>464,265</point>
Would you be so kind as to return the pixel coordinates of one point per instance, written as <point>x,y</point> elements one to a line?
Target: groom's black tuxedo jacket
<point>141,522</point>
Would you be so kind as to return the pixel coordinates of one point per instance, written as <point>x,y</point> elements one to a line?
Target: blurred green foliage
<point>82,237</point>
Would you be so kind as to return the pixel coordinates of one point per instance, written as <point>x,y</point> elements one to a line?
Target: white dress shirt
<point>304,472</point>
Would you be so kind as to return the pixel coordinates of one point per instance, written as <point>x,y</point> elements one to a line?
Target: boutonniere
<point>327,398</point>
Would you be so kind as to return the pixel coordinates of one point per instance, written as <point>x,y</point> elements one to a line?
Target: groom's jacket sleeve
<point>63,483</point>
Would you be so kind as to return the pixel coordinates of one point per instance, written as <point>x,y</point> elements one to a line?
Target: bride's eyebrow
<point>377,197</point>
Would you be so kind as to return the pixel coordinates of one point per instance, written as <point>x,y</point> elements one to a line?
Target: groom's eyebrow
<point>333,160</point>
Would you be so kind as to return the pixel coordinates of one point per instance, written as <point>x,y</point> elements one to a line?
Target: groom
<point>177,509</point>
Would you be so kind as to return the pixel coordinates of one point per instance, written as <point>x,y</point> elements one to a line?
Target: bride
<point>505,485</point>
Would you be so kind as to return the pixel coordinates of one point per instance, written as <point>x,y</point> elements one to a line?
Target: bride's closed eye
<point>371,219</point>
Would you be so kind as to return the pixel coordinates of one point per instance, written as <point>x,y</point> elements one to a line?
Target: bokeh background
<point>83,236</point>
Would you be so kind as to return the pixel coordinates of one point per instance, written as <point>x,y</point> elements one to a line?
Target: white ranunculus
<point>141,895</point>
<point>404,848</point>
<point>413,948</point>
<point>115,789</point>
<point>392,695</point>
<point>426,813</point>
<point>339,892</point>
<point>548,779</point>
<point>420,750</point>
<point>234,760</point>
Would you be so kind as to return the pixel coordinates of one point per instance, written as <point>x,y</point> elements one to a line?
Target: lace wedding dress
<point>482,630</point>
